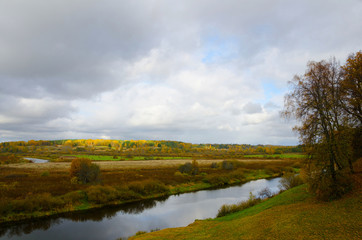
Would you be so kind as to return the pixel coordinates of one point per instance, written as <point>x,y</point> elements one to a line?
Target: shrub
<point>214,165</point>
<point>190,168</point>
<point>140,233</point>
<point>126,194</point>
<point>265,193</point>
<point>185,168</point>
<point>290,180</point>
<point>101,194</point>
<point>230,165</point>
<point>325,189</point>
<point>5,207</point>
<point>272,170</point>
<point>37,202</point>
<point>45,174</point>
<point>137,187</point>
<point>74,180</point>
<point>227,165</point>
<point>178,174</point>
<point>152,187</point>
<point>73,197</point>
<point>148,187</point>
<point>218,180</point>
<point>85,171</point>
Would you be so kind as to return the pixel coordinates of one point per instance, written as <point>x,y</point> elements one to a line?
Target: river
<point>36,160</point>
<point>125,220</point>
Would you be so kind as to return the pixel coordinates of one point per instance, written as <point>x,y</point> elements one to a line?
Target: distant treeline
<point>140,147</point>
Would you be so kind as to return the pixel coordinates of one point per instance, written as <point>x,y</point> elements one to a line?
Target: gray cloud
<point>196,71</point>
<point>251,108</point>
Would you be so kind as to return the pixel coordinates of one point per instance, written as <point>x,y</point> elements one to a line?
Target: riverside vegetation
<point>31,190</point>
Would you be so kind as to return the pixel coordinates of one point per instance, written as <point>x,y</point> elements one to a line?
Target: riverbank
<point>293,214</point>
<point>98,196</point>
<point>33,190</point>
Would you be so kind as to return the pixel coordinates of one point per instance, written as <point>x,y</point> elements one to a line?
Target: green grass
<point>294,214</point>
<point>97,157</point>
<point>277,156</point>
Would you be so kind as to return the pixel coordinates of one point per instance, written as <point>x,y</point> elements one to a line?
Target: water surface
<point>37,160</point>
<point>125,220</point>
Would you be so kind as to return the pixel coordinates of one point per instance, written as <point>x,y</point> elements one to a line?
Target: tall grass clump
<point>232,208</point>
<point>290,180</point>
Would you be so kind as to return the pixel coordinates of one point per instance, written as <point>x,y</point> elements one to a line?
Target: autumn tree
<point>315,100</point>
<point>352,101</point>
<point>84,171</point>
<point>352,88</point>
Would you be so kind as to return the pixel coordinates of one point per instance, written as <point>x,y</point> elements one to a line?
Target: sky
<point>204,71</point>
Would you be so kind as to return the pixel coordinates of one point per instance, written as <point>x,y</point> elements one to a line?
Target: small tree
<point>190,168</point>
<point>85,171</point>
<point>227,165</point>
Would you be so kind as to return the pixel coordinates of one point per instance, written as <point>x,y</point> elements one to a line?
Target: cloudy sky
<point>200,71</point>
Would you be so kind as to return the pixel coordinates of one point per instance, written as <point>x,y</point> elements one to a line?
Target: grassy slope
<point>293,214</point>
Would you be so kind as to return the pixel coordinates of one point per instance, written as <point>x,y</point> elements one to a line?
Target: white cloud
<point>204,71</point>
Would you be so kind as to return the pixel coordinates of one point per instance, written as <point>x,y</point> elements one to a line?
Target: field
<point>114,165</point>
<point>121,158</point>
<point>276,156</point>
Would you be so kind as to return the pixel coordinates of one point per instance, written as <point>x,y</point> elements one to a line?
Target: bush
<point>148,187</point>
<point>265,193</point>
<point>290,180</point>
<point>227,165</point>
<point>214,165</point>
<point>85,171</point>
<point>45,174</point>
<point>190,168</point>
<point>73,197</point>
<point>126,194</point>
<point>185,168</point>
<point>178,174</point>
<point>140,233</point>
<point>218,180</point>
<point>101,194</point>
<point>37,202</point>
<point>154,187</point>
<point>272,170</point>
<point>325,189</point>
<point>5,207</point>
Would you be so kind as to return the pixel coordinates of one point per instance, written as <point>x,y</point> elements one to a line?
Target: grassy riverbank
<point>294,214</point>
<point>29,191</point>
<point>99,196</point>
